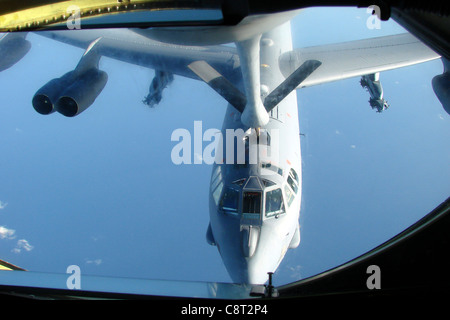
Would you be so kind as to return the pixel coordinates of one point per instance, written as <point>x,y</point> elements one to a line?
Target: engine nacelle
<point>75,91</point>
<point>373,85</point>
<point>45,98</point>
<point>82,93</point>
<point>161,80</point>
<point>441,86</point>
<point>71,94</point>
<point>13,47</point>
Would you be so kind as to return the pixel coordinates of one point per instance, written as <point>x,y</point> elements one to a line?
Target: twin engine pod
<point>70,94</point>
<point>441,86</point>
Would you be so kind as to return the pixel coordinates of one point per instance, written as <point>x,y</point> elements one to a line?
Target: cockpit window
<point>252,202</point>
<point>269,166</point>
<point>267,183</point>
<point>293,174</point>
<point>289,195</point>
<point>274,202</point>
<point>217,191</point>
<point>230,200</point>
<point>292,184</point>
<point>292,180</point>
<point>239,182</point>
<point>216,184</point>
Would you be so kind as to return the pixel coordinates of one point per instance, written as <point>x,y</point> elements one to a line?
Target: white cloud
<point>3,205</point>
<point>97,262</point>
<point>353,146</point>
<point>22,244</point>
<point>6,233</point>
<point>295,271</point>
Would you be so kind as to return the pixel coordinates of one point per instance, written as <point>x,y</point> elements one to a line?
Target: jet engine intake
<point>82,93</point>
<point>70,94</point>
<point>45,98</point>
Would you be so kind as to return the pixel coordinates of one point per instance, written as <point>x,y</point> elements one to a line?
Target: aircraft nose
<point>253,270</point>
<point>255,266</point>
<point>256,273</point>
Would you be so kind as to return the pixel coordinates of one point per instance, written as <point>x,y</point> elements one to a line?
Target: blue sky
<point>100,190</point>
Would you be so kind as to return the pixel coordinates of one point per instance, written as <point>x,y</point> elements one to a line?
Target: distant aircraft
<point>254,205</point>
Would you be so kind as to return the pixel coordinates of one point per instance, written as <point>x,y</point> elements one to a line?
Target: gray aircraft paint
<point>270,236</point>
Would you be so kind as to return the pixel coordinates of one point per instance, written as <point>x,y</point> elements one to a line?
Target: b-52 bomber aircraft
<point>256,185</point>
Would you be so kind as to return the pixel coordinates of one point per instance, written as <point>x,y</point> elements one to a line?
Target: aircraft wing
<point>339,61</point>
<point>357,58</point>
<point>128,46</point>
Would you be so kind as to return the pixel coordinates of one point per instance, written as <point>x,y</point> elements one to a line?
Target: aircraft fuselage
<point>255,205</point>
